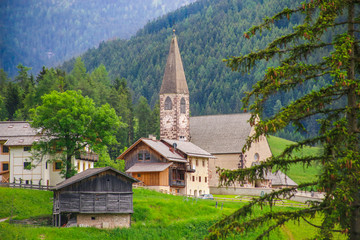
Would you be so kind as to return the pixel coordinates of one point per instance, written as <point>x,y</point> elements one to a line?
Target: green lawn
<point>156,216</point>
<point>298,172</point>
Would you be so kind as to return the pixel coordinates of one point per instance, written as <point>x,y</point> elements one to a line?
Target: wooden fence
<point>281,203</point>
<point>27,186</point>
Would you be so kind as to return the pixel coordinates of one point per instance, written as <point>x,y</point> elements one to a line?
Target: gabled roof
<point>174,80</point>
<point>89,173</point>
<point>220,134</point>
<point>189,148</point>
<point>17,133</point>
<point>158,146</point>
<point>278,178</point>
<point>149,167</point>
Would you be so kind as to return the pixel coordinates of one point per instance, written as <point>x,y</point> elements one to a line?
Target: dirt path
<point>287,232</point>
<point>3,219</point>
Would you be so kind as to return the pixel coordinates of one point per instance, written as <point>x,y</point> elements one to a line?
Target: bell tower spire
<point>174,98</point>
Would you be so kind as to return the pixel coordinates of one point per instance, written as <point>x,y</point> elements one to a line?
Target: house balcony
<point>177,183</point>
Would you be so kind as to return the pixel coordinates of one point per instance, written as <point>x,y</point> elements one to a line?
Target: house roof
<point>189,148</point>
<point>88,173</point>
<point>21,140</point>
<point>278,178</point>
<point>18,133</point>
<point>159,147</point>
<point>174,80</point>
<point>149,167</point>
<point>220,134</point>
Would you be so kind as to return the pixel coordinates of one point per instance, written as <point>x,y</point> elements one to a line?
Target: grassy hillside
<point>156,216</point>
<point>298,172</point>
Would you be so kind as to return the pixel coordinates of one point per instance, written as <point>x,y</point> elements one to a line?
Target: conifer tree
<point>339,123</point>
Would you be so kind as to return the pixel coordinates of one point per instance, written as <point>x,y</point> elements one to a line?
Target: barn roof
<point>18,133</point>
<point>174,80</point>
<point>149,167</point>
<point>89,173</point>
<point>220,134</point>
<point>189,148</point>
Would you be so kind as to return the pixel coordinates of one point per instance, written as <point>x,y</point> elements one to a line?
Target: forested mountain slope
<point>43,32</point>
<point>208,31</point>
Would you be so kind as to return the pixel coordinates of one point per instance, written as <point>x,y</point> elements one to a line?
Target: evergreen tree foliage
<point>307,55</point>
<point>43,32</point>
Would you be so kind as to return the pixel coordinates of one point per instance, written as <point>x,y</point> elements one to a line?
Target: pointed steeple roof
<point>174,80</point>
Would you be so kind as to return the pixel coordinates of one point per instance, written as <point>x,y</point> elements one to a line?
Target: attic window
<point>168,103</point>
<point>27,149</point>
<point>93,218</point>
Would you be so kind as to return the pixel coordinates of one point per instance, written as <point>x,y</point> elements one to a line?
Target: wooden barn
<point>97,197</point>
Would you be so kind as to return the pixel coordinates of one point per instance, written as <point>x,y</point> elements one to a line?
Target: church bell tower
<point>174,98</point>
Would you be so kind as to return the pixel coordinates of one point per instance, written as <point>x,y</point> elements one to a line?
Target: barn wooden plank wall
<point>95,202</point>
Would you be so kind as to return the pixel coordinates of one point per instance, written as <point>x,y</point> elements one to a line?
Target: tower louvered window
<point>182,106</point>
<point>168,104</point>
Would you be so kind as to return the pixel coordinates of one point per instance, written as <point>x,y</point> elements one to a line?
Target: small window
<point>89,165</point>
<point>139,175</point>
<point>27,165</point>
<point>57,166</point>
<point>256,157</point>
<point>168,103</point>
<point>205,179</point>
<point>193,177</point>
<point>5,166</point>
<point>26,181</point>
<point>93,218</point>
<point>84,166</point>
<point>203,163</point>
<point>199,179</point>
<point>78,166</point>
<point>182,106</point>
<point>197,162</point>
<point>182,176</point>
<point>140,157</point>
<point>147,156</point>
<point>5,149</point>
<point>46,165</point>
<point>27,149</point>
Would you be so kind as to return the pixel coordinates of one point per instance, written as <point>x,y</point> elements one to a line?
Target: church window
<point>168,104</point>
<point>182,106</point>
<point>256,157</point>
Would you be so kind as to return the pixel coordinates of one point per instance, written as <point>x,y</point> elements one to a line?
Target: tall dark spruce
<point>336,105</point>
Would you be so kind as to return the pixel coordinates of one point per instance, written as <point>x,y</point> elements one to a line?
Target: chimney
<point>152,137</point>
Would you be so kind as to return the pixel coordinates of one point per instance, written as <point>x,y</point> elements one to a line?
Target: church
<point>190,149</point>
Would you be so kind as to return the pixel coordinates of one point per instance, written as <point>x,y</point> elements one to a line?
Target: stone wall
<point>104,220</point>
<point>299,197</point>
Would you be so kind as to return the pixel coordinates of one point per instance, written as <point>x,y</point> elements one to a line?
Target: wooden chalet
<point>96,197</point>
<point>166,165</point>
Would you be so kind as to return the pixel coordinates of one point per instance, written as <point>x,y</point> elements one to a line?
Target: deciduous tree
<point>71,122</point>
<point>339,123</point>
